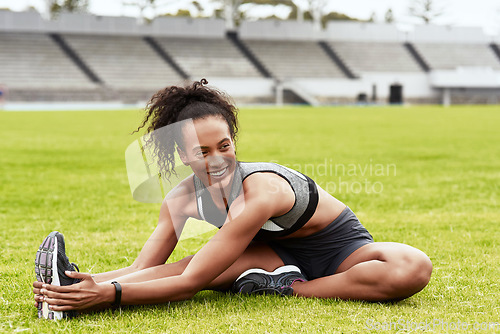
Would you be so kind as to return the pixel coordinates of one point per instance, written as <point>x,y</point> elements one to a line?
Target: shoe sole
<point>278,271</point>
<point>287,291</point>
<point>269,291</point>
<point>46,272</point>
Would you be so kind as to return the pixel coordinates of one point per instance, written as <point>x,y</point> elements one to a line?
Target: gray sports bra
<point>306,199</point>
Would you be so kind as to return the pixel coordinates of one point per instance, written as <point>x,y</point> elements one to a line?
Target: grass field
<point>425,176</point>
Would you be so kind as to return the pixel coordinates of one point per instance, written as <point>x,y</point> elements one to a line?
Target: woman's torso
<point>327,209</point>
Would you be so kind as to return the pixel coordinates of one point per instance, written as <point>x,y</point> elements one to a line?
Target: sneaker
<point>50,263</point>
<point>259,281</point>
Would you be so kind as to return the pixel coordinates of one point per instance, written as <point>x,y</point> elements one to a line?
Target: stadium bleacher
<point>123,61</point>
<point>130,61</point>
<point>33,60</point>
<point>376,57</point>
<point>294,59</point>
<point>208,57</point>
<point>453,55</point>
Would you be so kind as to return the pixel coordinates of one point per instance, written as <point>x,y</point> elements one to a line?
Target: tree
<point>427,10</point>
<point>180,13</point>
<point>232,10</point>
<point>143,6</point>
<point>231,13</point>
<point>389,16</point>
<point>317,8</point>
<point>155,6</point>
<point>314,10</point>
<point>331,16</point>
<point>373,17</point>
<point>55,7</point>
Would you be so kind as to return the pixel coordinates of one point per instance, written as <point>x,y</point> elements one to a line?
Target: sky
<point>480,13</point>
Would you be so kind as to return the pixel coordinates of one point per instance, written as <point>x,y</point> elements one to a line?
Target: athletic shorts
<point>321,253</point>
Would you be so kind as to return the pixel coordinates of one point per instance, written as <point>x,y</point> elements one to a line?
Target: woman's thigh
<point>257,255</point>
<point>382,251</point>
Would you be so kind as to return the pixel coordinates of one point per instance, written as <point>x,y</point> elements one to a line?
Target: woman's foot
<point>50,264</point>
<point>259,281</point>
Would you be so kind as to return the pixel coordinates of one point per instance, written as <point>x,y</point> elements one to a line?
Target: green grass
<point>66,171</point>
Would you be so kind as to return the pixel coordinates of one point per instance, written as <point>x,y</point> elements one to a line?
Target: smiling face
<point>209,150</point>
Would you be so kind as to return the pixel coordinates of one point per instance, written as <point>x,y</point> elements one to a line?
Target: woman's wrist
<point>118,294</point>
<point>108,293</point>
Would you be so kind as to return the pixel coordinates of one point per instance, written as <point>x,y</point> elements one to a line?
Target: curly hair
<point>175,104</point>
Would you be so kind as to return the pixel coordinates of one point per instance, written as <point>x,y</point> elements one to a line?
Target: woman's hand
<point>84,295</point>
<point>36,290</point>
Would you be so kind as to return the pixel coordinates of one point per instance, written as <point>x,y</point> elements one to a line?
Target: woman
<point>279,231</point>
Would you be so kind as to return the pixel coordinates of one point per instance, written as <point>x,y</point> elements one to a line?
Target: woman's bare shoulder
<point>272,187</point>
<point>181,198</point>
<point>184,187</point>
<point>266,181</point>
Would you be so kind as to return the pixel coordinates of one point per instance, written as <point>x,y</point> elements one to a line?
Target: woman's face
<point>209,150</point>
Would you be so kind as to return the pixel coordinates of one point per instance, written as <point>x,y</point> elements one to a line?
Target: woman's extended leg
<point>375,272</point>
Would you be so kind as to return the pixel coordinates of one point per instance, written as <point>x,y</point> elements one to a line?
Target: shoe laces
<point>75,266</point>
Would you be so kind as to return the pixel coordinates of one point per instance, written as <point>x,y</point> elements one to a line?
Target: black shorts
<point>321,253</point>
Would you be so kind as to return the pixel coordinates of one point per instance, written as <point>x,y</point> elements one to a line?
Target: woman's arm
<point>213,259</point>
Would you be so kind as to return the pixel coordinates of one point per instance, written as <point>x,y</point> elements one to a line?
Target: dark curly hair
<point>176,103</point>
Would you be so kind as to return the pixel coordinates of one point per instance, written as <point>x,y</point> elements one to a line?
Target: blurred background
<point>315,52</point>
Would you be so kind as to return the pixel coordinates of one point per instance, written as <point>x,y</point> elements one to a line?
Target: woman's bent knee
<point>409,276</point>
<point>422,271</point>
